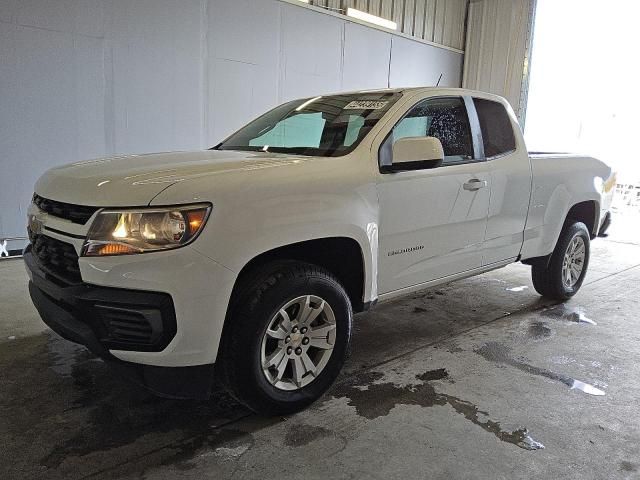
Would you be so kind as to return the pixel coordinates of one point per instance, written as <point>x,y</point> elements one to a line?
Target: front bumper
<point>102,318</point>
<point>199,287</point>
<point>107,318</point>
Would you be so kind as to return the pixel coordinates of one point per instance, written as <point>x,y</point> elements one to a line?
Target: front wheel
<point>562,277</point>
<point>287,338</point>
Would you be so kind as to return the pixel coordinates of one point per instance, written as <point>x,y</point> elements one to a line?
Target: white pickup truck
<point>246,262</point>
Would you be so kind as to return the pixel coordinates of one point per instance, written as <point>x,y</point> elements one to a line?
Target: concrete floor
<point>469,380</point>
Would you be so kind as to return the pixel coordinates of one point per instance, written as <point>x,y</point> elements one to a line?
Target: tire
<point>548,279</point>
<point>258,305</point>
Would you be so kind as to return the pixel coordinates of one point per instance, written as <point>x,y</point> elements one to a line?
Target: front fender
<point>258,211</point>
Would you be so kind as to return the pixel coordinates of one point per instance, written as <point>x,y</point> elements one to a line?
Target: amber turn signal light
<point>115,249</point>
<point>195,219</point>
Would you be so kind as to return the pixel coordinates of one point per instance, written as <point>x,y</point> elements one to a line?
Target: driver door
<point>432,221</point>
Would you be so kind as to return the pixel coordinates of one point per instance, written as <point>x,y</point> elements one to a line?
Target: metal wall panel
<point>438,21</point>
<point>243,72</point>
<point>311,53</point>
<point>419,18</point>
<point>386,9</point>
<point>375,7</point>
<point>414,64</point>
<point>365,50</point>
<point>429,18</point>
<point>497,50</point>
<point>409,16</point>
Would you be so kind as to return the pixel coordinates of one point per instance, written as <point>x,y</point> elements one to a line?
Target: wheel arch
<point>342,256</point>
<point>586,212</point>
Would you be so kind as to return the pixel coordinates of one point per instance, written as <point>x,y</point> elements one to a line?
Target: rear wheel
<point>287,338</point>
<point>562,277</point>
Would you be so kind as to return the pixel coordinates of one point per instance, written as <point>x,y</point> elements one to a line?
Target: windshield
<point>328,126</point>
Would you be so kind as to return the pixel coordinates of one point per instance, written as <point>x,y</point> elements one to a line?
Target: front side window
<point>495,124</point>
<point>443,118</point>
<point>328,126</point>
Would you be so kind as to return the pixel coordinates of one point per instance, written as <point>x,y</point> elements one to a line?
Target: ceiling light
<point>367,17</point>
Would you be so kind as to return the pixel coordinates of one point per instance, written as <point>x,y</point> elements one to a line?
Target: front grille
<point>79,214</point>
<point>131,326</point>
<point>57,258</point>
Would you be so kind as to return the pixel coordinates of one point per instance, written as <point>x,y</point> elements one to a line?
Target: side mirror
<point>415,153</point>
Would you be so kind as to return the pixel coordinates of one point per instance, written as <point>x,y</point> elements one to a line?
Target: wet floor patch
<point>565,312</point>
<point>521,288</point>
<point>373,399</point>
<point>64,355</point>
<point>538,330</point>
<point>123,416</point>
<point>301,434</point>
<point>185,427</point>
<point>224,444</point>
<point>519,437</point>
<point>501,354</point>
<point>66,415</point>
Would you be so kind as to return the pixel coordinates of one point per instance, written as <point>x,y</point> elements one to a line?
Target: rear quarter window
<point>495,124</point>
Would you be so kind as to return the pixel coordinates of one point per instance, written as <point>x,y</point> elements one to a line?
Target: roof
<point>444,90</point>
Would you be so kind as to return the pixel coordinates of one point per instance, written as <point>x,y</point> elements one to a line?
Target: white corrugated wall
<point>497,49</point>
<point>437,21</point>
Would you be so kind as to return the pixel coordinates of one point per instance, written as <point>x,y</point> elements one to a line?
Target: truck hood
<point>134,180</point>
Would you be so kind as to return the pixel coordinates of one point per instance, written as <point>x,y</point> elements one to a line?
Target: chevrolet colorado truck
<point>246,262</point>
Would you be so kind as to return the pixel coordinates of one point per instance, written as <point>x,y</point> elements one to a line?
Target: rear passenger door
<point>510,170</point>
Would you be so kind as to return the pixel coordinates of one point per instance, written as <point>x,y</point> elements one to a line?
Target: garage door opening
<point>580,95</point>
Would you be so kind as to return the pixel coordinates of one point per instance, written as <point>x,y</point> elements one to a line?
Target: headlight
<point>123,232</point>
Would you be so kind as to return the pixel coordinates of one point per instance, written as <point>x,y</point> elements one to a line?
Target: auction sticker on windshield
<point>366,105</point>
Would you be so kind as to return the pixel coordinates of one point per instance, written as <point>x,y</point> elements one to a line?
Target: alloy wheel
<point>573,262</point>
<point>298,342</point>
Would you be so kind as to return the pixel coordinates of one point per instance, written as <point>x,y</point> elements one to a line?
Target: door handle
<point>475,184</point>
